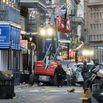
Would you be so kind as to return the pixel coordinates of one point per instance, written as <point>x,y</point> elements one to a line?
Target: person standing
<point>96,65</point>
<point>85,71</point>
<point>60,74</point>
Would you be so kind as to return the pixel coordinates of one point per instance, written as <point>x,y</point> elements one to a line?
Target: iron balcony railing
<point>31,25</point>
<point>12,3</point>
<point>40,2</point>
<point>77,20</point>
<point>8,13</point>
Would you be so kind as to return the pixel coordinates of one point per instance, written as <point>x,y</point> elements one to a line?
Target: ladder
<point>47,59</point>
<point>57,52</point>
<point>47,52</point>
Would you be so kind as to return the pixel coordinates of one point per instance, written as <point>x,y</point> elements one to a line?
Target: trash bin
<point>6,85</point>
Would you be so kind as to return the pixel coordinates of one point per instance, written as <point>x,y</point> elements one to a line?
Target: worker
<point>85,71</point>
<point>60,74</point>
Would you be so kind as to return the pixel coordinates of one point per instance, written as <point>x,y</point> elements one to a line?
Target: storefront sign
<point>4,37</point>
<point>24,44</point>
<point>9,37</point>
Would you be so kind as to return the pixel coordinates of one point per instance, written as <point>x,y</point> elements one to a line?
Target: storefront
<point>27,56</point>
<point>24,72</point>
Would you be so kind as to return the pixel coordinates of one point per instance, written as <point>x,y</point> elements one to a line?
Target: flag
<point>69,24</point>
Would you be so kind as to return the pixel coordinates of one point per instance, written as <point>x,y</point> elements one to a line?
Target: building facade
<point>20,19</point>
<point>32,17</point>
<point>94,26</point>
<point>10,37</point>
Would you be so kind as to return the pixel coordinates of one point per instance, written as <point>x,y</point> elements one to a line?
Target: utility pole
<point>76,56</point>
<point>65,24</point>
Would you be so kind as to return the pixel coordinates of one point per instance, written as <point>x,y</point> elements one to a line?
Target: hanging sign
<point>24,44</point>
<point>4,37</point>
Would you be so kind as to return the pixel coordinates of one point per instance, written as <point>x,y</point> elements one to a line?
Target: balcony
<point>95,2</point>
<point>33,3</point>
<point>78,20</point>
<point>95,38</point>
<point>8,13</point>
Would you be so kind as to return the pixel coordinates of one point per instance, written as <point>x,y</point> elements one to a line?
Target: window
<point>94,26</point>
<point>100,15</point>
<point>90,37</point>
<point>97,14</point>
<point>91,15</point>
<point>100,27</point>
<point>91,27</point>
<point>93,37</point>
<point>94,15</point>
<point>101,37</point>
<point>97,26</point>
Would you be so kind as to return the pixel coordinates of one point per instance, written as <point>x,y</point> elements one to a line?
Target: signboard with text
<point>9,37</point>
<point>4,37</point>
<point>24,44</point>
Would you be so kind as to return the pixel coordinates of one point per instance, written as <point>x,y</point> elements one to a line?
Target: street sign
<point>64,41</point>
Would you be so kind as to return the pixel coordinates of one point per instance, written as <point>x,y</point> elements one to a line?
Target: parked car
<point>79,66</point>
<point>69,68</point>
<point>73,71</point>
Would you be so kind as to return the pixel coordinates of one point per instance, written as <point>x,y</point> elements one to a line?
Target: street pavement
<point>45,94</point>
<point>36,88</point>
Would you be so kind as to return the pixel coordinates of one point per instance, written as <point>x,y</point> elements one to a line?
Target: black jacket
<point>59,71</point>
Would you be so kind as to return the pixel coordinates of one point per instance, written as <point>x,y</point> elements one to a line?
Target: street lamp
<point>42,32</point>
<point>30,39</point>
<point>47,32</point>
<point>50,31</point>
<point>87,53</point>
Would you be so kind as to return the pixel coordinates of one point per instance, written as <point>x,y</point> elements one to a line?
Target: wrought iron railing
<point>41,2</point>
<point>8,13</point>
<point>11,3</point>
